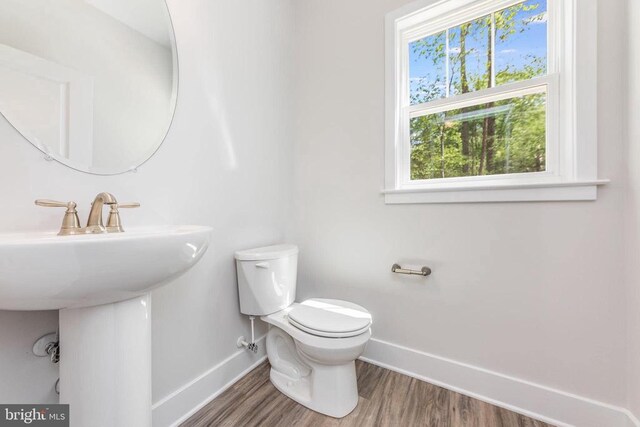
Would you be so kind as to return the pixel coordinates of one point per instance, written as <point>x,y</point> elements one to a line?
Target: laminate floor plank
<point>437,407</point>
<point>392,403</point>
<point>387,399</point>
<point>467,411</point>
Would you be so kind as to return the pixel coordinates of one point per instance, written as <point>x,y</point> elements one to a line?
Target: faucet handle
<point>127,205</point>
<point>55,204</point>
<point>114,225</point>
<point>70,222</point>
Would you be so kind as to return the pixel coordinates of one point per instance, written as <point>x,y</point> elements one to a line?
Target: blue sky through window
<point>525,46</point>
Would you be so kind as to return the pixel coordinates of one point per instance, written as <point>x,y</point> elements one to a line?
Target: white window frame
<point>571,164</point>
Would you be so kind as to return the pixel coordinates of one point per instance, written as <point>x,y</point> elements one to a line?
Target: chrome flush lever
<point>114,225</point>
<point>70,222</point>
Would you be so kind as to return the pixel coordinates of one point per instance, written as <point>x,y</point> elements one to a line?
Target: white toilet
<point>312,346</point>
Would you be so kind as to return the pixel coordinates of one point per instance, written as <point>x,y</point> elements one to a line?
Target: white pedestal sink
<point>100,284</point>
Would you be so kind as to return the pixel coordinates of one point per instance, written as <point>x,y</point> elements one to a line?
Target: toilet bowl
<point>316,371</point>
<point>312,345</point>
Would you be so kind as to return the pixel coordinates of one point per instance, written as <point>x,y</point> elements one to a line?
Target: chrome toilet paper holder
<point>424,271</point>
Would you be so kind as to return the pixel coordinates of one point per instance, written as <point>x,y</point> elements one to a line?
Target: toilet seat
<point>330,318</point>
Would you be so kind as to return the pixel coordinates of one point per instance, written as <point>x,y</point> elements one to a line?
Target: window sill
<point>560,191</point>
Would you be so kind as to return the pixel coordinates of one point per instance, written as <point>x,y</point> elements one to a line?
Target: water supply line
<point>249,345</point>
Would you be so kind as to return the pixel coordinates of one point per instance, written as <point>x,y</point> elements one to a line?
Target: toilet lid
<point>330,318</point>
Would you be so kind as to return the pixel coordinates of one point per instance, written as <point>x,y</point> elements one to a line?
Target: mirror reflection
<point>91,83</point>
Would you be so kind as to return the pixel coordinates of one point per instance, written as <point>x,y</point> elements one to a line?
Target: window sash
<point>546,83</point>
<point>469,99</point>
<point>490,9</point>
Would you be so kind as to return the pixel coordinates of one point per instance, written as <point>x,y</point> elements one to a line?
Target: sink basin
<point>40,271</point>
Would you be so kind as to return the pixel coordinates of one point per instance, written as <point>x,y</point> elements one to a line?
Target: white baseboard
<point>534,400</point>
<point>178,406</point>
<point>530,399</point>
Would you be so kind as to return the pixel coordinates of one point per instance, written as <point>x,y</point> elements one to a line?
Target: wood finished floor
<point>386,399</point>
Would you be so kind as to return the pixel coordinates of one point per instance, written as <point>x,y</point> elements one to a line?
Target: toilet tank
<point>267,278</point>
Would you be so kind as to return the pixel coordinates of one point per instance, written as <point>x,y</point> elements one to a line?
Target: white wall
<point>531,290</point>
<point>226,163</point>
<point>632,208</point>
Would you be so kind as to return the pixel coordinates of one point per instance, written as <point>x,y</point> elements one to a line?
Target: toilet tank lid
<point>267,252</point>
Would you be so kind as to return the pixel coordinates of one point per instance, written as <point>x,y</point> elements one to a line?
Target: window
<point>482,102</point>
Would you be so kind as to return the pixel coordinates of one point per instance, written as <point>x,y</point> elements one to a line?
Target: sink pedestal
<point>105,363</point>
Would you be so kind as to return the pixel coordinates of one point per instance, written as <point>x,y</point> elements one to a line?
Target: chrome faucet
<point>94,223</point>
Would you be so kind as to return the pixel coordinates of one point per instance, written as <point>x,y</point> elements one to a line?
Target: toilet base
<point>317,372</point>
<point>329,390</point>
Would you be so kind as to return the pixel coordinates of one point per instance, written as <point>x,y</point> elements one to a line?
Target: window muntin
<point>497,58</point>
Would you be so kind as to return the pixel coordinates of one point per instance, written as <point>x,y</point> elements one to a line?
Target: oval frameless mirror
<point>91,83</point>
